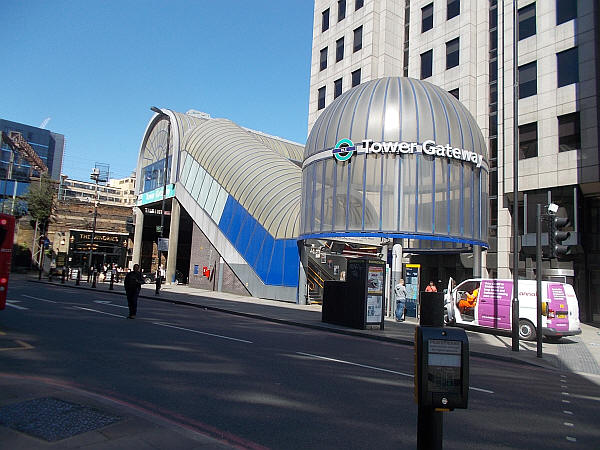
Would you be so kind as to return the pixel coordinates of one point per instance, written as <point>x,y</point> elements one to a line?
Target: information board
<point>374,294</point>
<point>411,282</point>
<point>444,366</point>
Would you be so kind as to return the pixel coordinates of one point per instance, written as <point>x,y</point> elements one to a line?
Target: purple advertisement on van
<point>558,314</point>
<point>495,297</point>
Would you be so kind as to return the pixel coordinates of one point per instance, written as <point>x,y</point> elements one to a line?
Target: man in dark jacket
<point>133,284</point>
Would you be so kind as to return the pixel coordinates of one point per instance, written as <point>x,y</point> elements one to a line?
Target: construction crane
<point>18,144</point>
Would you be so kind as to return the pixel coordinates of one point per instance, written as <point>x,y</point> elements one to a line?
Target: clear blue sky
<point>96,67</point>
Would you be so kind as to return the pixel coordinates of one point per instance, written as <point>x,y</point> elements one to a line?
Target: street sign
<point>158,228</point>
<point>163,244</point>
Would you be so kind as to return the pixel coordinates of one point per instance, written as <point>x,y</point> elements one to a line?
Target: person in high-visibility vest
<point>469,302</point>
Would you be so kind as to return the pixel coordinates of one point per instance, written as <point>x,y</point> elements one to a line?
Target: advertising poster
<point>411,282</point>
<point>374,308</point>
<point>374,294</point>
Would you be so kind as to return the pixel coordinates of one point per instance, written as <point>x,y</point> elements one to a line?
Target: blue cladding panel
<point>245,232</point>
<point>227,213</point>
<point>275,275</point>
<point>264,257</point>
<point>236,223</point>
<point>291,263</point>
<point>256,242</point>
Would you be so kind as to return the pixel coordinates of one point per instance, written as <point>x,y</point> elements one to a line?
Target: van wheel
<point>526,330</point>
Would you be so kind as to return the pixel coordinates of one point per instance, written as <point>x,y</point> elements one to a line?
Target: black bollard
<point>78,278</point>
<point>94,278</point>
<point>50,275</point>
<point>64,276</point>
<point>112,278</point>
<point>157,291</point>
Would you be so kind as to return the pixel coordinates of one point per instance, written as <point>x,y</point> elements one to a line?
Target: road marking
<point>11,303</point>
<point>95,310</point>
<point>37,298</point>
<point>107,302</point>
<point>571,439</point>
<point>568,424</point>
<point>380,369</point>
<point>162,324</point>
<point>566,401</point>
<point>568,412</point>
<point>23,346</point>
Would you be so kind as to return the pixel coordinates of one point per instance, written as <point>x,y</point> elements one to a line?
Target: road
<point>277,386</point>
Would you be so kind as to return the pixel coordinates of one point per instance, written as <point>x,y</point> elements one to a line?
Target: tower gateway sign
<point>345,148</point>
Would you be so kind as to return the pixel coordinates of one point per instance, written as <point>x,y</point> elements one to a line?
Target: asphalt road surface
<point>276,386</point>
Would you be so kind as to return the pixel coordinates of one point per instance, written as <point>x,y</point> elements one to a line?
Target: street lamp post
<point>94,176</point>
<point>162,211</point>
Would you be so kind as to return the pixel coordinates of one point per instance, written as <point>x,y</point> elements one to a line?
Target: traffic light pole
<point>538,276</point>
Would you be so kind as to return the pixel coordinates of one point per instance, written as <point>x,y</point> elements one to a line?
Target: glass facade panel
<point>477,205</point>
<point>317,201</point>
<point>567,66</point>
<point>467,201</point>
<point>327,195</point>
<point>441,196</point>
<point>408,181</point>
<point>455,199</point>
<point>425,196</point>
<point>389,210</point>
<point>355,208</point>
<point>373,190</point>
<point>341,193</point>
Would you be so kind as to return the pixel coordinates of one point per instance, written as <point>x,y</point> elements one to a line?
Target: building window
<point>565,10</point>
<point>452,53</point>
<point>325,20</point>
<point>341,10</point>
<point>569,132</point>
<point>526,16</point>
<point>528,80</point>
<point>321,101</point>
<point>323,61</point>
<point>356,77</point>
<point>337,88</point>
<point>426,18</point>
<point>426,64</point>
<point>358,4</point>
<point>454,93</point>
<point>567,67</point>
<point>339,49</point>
<point>453,9</point>
<point>528,140</point>
<point>358,38</point>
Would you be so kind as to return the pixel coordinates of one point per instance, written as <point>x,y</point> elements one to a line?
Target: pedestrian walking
<point>400,291</point>
<point>133,284</point>
<point>431,287</point>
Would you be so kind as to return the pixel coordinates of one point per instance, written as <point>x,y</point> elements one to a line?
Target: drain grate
<point>52,419</point>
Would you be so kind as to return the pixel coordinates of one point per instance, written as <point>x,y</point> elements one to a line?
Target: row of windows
<point>567,69</point>
<point>339,48</point>
<point>341,13</point>
<point>337,89</point>
<point>452,58</point>
<point>569,136</point>
<point>452,10</point>
<point>565,10</point>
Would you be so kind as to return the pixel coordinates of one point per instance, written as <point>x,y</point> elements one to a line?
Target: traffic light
<point>557,235</point>
<point>3,230</point>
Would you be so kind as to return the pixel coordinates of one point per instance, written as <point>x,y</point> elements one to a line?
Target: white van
<point>487,303</point>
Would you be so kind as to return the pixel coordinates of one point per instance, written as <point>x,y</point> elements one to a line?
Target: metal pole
<point>538,276</point>
<point>93,226</point>
<point>162,213</point>
<point>430,423</point>
<point>515,213</point>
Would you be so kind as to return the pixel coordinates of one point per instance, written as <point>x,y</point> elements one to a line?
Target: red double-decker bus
<point>7,232</point>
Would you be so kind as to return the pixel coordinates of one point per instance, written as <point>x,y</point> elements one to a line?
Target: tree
<point>40,200</point>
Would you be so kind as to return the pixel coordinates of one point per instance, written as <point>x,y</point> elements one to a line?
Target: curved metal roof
<point>264,182</point>
<point>396,109</point>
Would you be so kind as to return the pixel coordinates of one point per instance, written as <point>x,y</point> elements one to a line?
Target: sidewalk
<point>577,353</point>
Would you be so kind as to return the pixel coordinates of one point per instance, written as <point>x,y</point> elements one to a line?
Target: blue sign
<point>156,195</point>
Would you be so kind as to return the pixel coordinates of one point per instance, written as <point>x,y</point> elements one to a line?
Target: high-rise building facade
<point>467,48</point>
